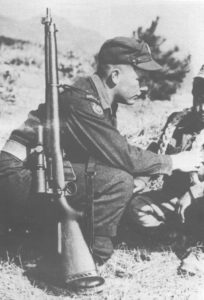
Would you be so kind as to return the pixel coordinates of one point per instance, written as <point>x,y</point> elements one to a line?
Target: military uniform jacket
<point>187,127</point>
<point>88,128</point>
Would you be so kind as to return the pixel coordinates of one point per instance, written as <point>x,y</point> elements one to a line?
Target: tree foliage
<point>164,83</point>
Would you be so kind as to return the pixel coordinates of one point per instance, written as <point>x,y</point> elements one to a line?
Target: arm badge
<point>97,109</point>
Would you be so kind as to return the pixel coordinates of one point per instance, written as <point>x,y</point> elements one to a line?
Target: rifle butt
<point>77,265</point>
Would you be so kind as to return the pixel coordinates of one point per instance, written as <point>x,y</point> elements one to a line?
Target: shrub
<point>165,82</point>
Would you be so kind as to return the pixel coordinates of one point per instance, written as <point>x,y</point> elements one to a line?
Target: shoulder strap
<point>84,93</point>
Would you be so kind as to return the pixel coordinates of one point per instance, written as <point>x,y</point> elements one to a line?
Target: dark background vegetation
<point>165,83</point>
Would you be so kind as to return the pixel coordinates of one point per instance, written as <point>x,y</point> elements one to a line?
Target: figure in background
<point>179,204</point>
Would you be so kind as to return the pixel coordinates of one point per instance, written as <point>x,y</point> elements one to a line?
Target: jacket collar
<point>102,93</point>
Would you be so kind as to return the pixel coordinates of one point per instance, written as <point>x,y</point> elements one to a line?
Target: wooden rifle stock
<point>78,269</point>
<point>53,150</point>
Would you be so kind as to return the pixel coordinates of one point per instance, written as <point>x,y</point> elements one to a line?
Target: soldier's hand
<point>139,185</point>
<point>187,161</point>
<point>183,203</point>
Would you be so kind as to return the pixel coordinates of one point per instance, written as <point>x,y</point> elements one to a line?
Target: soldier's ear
<point>115,76</point>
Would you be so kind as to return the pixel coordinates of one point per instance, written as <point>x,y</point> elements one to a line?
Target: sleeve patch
<point>97,109</point>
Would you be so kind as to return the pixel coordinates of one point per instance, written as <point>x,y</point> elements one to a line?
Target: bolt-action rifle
<point>77,268</point>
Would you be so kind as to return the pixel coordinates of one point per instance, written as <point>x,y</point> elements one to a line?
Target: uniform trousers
<point>158,210</point>
<point>113,190</point>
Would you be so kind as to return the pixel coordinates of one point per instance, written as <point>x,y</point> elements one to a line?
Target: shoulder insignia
<point>91,98</point>
<point>97,109</point>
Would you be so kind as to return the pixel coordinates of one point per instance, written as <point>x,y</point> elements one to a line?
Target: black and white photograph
<point>102,150</point>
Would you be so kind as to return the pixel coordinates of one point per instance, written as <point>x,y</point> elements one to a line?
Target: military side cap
<point>126,50</point>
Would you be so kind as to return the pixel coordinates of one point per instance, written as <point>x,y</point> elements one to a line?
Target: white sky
<point>181,21</point>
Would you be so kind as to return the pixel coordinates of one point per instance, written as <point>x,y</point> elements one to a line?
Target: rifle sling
<point>89,211</point>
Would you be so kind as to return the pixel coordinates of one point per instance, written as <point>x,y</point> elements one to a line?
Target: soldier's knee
<point>140,212</point>
<point>126,184</point>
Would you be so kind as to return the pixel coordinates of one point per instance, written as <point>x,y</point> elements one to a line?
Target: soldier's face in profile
<point>128,85</point>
